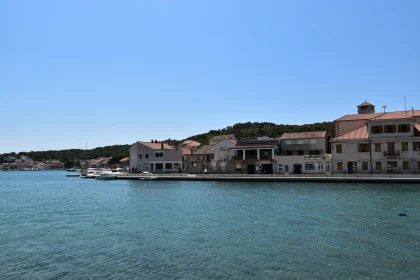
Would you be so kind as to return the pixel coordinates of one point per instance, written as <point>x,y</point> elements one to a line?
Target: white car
<point>146,172</point>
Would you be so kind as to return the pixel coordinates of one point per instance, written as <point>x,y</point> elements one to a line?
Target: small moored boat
<point>148,178</point>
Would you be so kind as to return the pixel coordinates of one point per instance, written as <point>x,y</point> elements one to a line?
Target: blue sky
<point>114,72</point>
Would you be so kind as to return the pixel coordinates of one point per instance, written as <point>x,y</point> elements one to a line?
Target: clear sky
<point>114,72</point>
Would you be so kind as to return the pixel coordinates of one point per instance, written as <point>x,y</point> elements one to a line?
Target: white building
<point>384,143</point>
<point>154,157</point>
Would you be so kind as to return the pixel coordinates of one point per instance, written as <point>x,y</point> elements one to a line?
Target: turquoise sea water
<point>54,227</point>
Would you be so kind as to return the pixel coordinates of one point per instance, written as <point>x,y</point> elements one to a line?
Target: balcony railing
<point>237,157</point>
<point>392,153</point>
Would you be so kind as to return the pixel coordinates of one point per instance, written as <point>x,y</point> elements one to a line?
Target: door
<point>251,169</point>
<point>352,167</point>
<point>266,168</point>
<point>297,168</point>
<point>391,167</point>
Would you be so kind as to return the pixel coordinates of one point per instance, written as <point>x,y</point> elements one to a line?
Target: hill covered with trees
<point>242,130</point>
<point>257,129</point>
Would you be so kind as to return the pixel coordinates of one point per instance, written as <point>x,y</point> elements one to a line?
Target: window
<point>404,128</point>
<point>158,155</point>
<point>378,165</point>
<point>391,146</point>
<point>289,153</point>
<point>338,149</point>
<point>147,155</point>
<point>280,167</point>
<point>288,142</point>
<point>418,165</point>
<point>406,165</point>
<point>404,146</point>
<point>390,128</point>
<point>378,148</point>
<point>300,153</point>
<point>312,141</point>
<point>286,168</point>
<point>310,166</point>
<point>364,148</point>
<point>365,165</point>
<point>376,129</point>
<point>300,141</point>
<point>339,165</point>
<point>159,166</point>
<point>168,165</point>
<point>238,167</point>
<point>416,146</point>
<point>139,156</point>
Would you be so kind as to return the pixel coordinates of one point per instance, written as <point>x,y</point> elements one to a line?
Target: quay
<point>338,178</point>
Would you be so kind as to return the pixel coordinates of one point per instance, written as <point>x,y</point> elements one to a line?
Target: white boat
<point>148,178</point>
<point>73,175</point>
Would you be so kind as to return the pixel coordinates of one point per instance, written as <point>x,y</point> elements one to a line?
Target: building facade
<point>386,143</point>
<point>255,156</point>
<point>155,157</point>
<point>304,153</point>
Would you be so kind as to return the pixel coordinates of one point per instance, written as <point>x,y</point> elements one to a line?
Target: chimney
<point>155,141</point>
<point>161,145</point>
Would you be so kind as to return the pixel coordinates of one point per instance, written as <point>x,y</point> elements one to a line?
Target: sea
<point>57,227</point>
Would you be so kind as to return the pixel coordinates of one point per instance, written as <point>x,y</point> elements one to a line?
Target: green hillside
<point>242,130</point>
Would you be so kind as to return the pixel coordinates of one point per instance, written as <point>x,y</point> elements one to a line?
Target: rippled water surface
<point>54,227</point>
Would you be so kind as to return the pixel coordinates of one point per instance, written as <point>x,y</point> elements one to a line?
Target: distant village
<point>368,142</point>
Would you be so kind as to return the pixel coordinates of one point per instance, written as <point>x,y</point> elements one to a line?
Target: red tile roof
<point>365,104</point>
<point>355,117</point>
<point>186,151</point>
<point>232,141</point>
<point>384,116</point>
<point>303,135</point>
<point>190,143</point>
<point>156,146</point>
<point>205,149</point>
<point>417,129</point>
<point>398,115</point>
<point>358,133</point>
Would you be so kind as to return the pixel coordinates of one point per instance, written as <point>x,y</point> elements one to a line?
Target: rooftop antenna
<point>384,108</point>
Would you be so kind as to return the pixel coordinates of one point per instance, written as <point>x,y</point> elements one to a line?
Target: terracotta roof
<point>221,137</point>
<point>358,133</point>
<point>205,149</point>
<point>365,104</point>
<point>387,115</point>
<point>417,129</point>
<point>303,135</point>
<point>190,143</point>
<point>398,115</point>
<point>156,146</point>
<point>355,117</point>
<point>253,147</point>
<point>125,159</point>
<point>186,151</point>
<point>232,141</point>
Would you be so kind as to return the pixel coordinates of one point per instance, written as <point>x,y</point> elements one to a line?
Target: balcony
<point>392,154</point>
<point>266,157</point>
<point>237,157</point>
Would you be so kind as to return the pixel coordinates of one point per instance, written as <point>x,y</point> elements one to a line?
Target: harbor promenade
<point>322,178</point>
